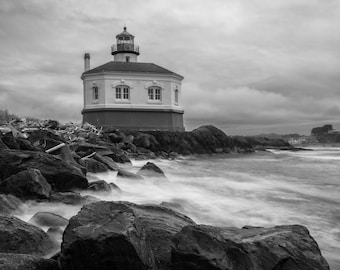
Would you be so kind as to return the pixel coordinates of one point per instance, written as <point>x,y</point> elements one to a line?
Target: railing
<point>124,47</point>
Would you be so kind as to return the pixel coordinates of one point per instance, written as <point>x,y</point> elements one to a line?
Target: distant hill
<point>326,134</point>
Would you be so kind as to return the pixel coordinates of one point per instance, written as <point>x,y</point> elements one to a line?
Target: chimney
<point>86,62</point>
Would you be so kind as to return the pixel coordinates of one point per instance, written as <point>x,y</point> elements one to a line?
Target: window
<point>176,96</point>
<point>122,92</point>
<point>127,58</point>
<point>95,93</point>
<point>155,93</point>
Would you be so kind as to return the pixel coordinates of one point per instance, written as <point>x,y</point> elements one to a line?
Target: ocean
<point>258,189</point>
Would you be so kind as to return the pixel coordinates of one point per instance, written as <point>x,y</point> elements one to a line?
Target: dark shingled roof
<point>131,67</point>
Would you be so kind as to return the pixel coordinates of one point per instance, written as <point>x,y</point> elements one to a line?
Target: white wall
<point>138,90</point>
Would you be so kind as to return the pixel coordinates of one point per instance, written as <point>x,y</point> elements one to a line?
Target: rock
<point>55,233</point>
<point>27,185</point>
<point>212,139</point>
<point>278,248</point>
<point>17,236</point>
<point>151,170</point>
<point>87,147</point>
<point>100,185</point>
<point>128,175</point>
<point>2,144</point>
<point>44,139</point>
<point>9,204</point>
<point>72,198</point>
<point>94,166</point>
<point>59,174</point>
<point>117,156</point>
<point>174,206</point>
<point>108,162</point>
<point>17,143</point>
<point>48,219</point>
<point>26,262</point>
<point>120,235</point>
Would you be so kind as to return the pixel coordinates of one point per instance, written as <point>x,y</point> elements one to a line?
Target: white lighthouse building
<point>127,94</point>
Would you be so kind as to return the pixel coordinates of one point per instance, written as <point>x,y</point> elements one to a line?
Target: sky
<point>249,66</point>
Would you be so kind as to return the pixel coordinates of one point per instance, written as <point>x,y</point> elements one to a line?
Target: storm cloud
<point>268,65</point>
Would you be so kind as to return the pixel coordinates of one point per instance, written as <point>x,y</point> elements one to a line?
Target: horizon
<point>249,68</point>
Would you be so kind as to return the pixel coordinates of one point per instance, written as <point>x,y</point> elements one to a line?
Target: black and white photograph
<point>169,135</point>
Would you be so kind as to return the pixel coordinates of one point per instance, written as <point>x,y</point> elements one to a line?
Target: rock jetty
<point>49,162</point>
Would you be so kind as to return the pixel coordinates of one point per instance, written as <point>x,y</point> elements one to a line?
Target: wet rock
<point>26,185</point>
<point>108,162</point>
<point>17,236</point>
<point>9,204</point>
<point>100,185</point>
<point>151,170</point>
<point>117,156</point>
<point>72,198</point>
<point>174,206</point>
<point>120,235</point>
<point>48,219</point>
<point>124,174</point>
<point>55,233</point>
<point>94,166</point>
<point>17,143</point>
<point>26,262</point>
<point>60,175</point>
<point>281,247</point>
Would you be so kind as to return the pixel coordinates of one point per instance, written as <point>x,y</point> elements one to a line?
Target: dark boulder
<point>26,262</point>
<point>17,236</point>
<point>26,185</point>
<point>17,143</point>
<point>120,235</point>
<point>60,175</point>
<point>9,204</point>
<point>279,248</point>
<point>212,140</point>
<point>108,162</point>
<point>72,198</point>
<point>93,165</point>
<point>102,186</point>
<point>48,219</point>
<point>150,169</point>
<point>124,174</point>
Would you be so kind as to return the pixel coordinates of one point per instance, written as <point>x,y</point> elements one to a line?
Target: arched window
<point>122,92</point>
<point>155,93</point>
<point>176,96</point>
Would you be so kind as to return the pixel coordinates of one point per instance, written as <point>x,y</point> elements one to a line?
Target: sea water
<point>258,189</point>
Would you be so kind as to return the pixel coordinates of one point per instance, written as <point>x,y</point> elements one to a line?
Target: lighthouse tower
<point>131,95</point>
<point>125,49</point>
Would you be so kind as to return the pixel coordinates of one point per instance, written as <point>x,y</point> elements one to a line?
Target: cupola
<point>125,50</point>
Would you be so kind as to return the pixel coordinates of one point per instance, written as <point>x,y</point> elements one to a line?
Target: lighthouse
<point>130,95</point>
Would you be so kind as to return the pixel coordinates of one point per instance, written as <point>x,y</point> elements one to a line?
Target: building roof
<point>131,67</point>
<point>125,33</point>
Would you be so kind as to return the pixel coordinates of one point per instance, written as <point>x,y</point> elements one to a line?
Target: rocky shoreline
<point>51,162</point>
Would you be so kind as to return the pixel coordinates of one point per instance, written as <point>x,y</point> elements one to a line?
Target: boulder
<point>60,175</point>
<point>27,185</point>
<point>9,204</point>
<point>48,219</point>
<point>278,248</point>
<point>128,175</point>
<point>17,143</point>
<point>108,162</point>
<point>102,186</point>
<point>26,262</point>
<point>93,165</point>
<point>72,198</point>
<point>120,235</point>
<point>17,236</point>
<point>2,144</point>
<point>151,170</point>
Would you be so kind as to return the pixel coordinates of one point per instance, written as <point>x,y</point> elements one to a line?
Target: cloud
<point>259,62</point>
